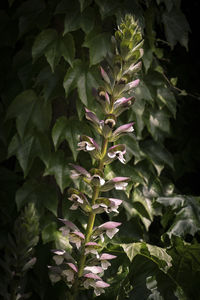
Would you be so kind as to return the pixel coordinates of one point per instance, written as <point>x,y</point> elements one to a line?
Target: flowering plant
<point>84,267</point>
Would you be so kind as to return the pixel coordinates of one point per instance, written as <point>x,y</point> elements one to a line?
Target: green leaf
<point>82,78</point>
<point>70,130</point>
<point>157,254</point>
<point>72,21</point>
<point>67,48</point>
<point>49,232</point>
<point>42,42</point>
<point>183,215</point>
<point>51,83</point>
<point>176,27</point>
<point>58,167</point>
<point>107,8</point>
<point>186,267</point>
<point>84,4</point>
<point>99,45</point>
<point>30,111</point>
<point>41,194</point>
<point>87,20</point>
<point>142,92</point>
<point>167,97</point>
<point>157,154</point>
<point>53,54</point>
<point>72,134</point>
<point>58,131</point>
<point>28,148</point>
<point>158,123</point>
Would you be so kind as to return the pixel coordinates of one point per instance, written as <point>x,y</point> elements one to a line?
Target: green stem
<point>90,225</point>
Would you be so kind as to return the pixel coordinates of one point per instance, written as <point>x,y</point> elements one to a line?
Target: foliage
<point>50,56</point>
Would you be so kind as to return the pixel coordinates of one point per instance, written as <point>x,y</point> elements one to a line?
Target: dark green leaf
<point>41,194</point>
<point>167,97</point>
<point>184,215</point>
<point>72,21</point>
<point>157,154</point>
<point>58,166</point>
<point>43,41</point>
<point>67,48</point>
<point>87,20</point>
<point>58,131</point>
<point>28,148</point>
<point>84,4</point>
<point>99,45</point>
<point>176,27</point>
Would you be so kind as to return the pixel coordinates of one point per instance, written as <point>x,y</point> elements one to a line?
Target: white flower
<point>85,146</point>
<point>121,185</point>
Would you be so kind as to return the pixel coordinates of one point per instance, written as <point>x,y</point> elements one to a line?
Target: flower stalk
<point>114,97</point>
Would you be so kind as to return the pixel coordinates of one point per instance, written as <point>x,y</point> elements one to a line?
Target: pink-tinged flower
<point>93,269</point>
<point>78,171</point>
<point>61,255</point>
<point>122,104</point>
<point>87,144</point>
<point>118,152</point>
<point>69,226</point>
<point>76,237</point>
<point>99,287</point>
<point>70,272</point>
<point>126,128</point>
<point>106,204</point>
<point>79,200</point>
<point>90,280</point>
<point>105,75</point>
<point>104,260</point>
<point>131,85</point>
<point>119,183</point>
<point>97,124</point>
<point>133,68</point>
<point>110,228</point>
<point>91,247</point>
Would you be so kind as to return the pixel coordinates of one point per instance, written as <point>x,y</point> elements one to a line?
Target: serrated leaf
<point>58,167</point>
<point>155,253</point>
<point>99,45</point>
<point>184,215</point>
<point>42,42</point>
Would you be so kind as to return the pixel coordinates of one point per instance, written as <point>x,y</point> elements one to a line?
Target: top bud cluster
<point>84,267</point>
